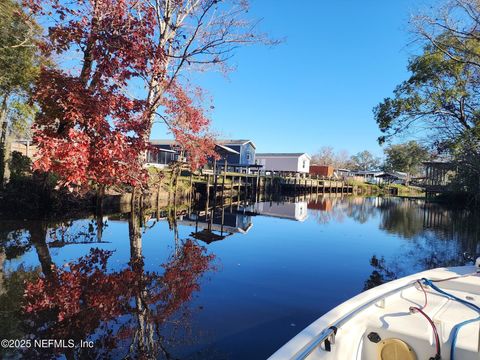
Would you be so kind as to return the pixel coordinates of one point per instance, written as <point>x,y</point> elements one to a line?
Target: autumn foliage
<point>187,123</point>
<point>97,111</point>
<point>76,137</point>
<point>74,302</point>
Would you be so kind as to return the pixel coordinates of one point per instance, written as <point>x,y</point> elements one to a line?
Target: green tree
<point>440,102</point>
<point>407,157</point>
<point>19,66</point>
<point>365,160</point>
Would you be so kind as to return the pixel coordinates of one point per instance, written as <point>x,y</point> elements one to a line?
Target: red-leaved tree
<point>97,110</point>
<point>89,129</point>
<point>84,299</point>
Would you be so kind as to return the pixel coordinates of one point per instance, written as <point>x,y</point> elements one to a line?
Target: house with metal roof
<point>164,153</point>
<point>369,176</point>
<point>394,177</point>
<point>239,155</point>
<point>295,162</point>
<point>380,177</point>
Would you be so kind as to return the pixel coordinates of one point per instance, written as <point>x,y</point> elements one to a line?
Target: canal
<point>234,283</point>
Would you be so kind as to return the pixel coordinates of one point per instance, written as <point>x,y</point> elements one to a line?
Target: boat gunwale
<point>331,329</point>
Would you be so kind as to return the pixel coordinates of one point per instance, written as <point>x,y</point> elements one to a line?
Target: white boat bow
<point>404,319</point>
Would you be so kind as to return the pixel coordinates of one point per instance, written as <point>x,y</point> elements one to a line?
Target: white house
<point>297,211</point>
<point>298,162</point>
<point>294,211</point>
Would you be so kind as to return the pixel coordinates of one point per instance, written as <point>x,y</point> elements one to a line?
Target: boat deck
<point>389,317</point>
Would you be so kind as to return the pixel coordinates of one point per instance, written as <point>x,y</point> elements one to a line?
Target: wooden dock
<point>231,184</point>
<point>316,185</point>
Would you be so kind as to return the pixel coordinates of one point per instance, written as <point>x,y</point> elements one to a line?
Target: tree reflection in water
<point>380,275</point>
<point>436,235</point>
<point>130,312</point>
<point>124,312</point>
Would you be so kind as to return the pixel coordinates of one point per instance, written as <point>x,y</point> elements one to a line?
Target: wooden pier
<point>315,184</point>
<point>230,184</point>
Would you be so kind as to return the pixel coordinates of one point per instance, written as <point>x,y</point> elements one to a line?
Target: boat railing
<point>327,336</point>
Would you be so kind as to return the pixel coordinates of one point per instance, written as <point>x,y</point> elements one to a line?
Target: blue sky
<point>339,59</point>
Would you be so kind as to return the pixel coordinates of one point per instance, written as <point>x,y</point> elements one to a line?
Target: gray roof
<point>162,142</point>
<point>166,150</point>
<point>219,141</point>
<point>282,154</point>
<point>368,172</point>
<point>235,142</point>
<point>395,174</point>
<point>227,149</point>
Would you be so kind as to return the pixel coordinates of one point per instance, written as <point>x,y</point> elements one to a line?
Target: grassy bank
<point>386,189</point>
<point>407,191</point>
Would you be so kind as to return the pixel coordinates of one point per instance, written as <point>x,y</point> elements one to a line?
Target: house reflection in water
<point>216,226</point>
<point>294,211</point>
<point>324,204</point>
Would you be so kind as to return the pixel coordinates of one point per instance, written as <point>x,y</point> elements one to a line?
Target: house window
<point>248,156</point>
<point>304,163</point>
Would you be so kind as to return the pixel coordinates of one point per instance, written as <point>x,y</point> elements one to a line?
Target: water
<point>187,287</point>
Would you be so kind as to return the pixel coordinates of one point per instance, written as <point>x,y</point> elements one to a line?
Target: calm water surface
<point>235,285</point>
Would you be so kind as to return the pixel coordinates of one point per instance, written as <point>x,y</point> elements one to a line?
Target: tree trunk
<point>99,198</point>
<point>2,279</point>
<point>38,235</point>
<point>177,172</point>
<point>135,233</point>
<point>144,332</point>
<point>159,189</point>
<point>3,142</point>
